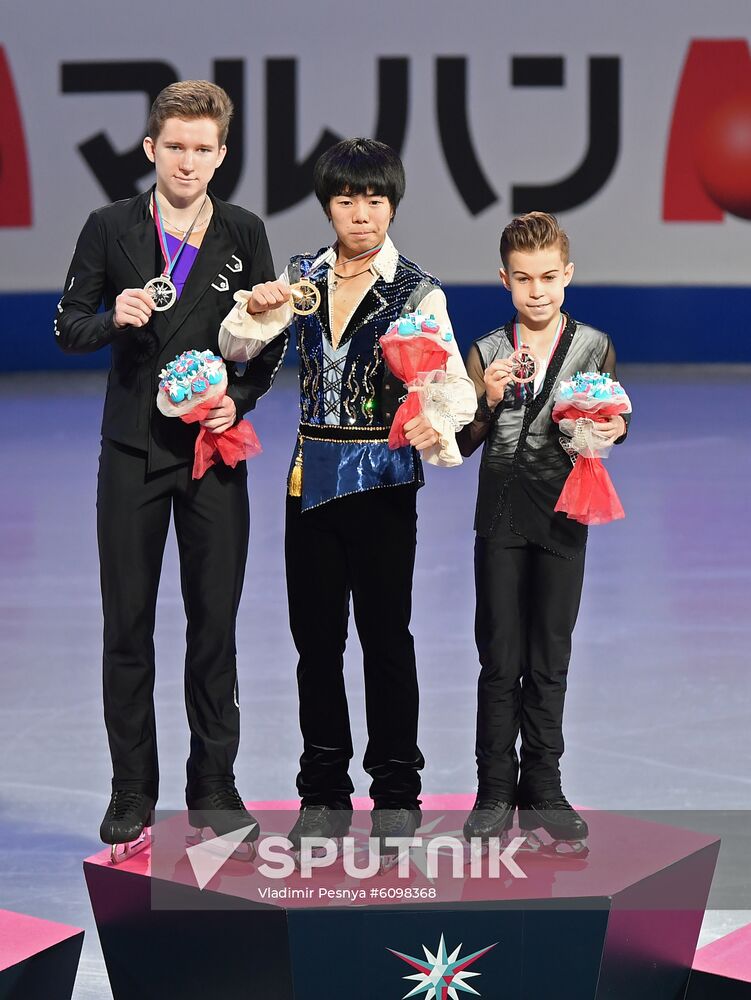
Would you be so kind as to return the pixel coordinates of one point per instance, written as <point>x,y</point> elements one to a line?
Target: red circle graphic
<point>724,156</point>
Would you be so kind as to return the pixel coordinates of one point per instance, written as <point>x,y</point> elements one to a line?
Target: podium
<point>621,923</point>
<point>38,959</point>
<point>722,969</point>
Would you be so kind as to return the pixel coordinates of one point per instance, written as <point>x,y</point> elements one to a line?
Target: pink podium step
<point>618,924</point>
<point>722,969</point>
<point>38,959</point>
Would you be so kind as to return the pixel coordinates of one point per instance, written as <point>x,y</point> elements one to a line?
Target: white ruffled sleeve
<point>451,403</point>
<point>242,336</point>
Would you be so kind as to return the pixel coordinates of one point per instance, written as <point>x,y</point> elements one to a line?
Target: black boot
<point>123,826</point>
<point>222,811</point>
<point>558,819</point>
<point>491,816</point>
<point>319,821</point>
<point>387,823</point>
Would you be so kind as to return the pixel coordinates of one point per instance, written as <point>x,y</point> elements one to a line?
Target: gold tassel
<point>294,487</point>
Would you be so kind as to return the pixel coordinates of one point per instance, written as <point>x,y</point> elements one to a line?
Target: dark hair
<point>359,166</point>
<point>188,100</point>
<point>533,231</point>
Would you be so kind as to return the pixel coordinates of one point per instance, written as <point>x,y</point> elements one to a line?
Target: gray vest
<point>523,465</point>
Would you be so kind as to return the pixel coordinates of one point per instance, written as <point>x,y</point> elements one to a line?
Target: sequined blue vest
<point>346,390</point>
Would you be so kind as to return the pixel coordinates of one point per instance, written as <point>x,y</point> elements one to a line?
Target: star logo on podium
<point>442,976</point>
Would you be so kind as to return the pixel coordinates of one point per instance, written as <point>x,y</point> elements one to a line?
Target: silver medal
<point>162,291</point>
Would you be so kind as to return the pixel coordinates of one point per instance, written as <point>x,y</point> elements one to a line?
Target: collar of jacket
<point>138,244</point>
<point>384,263</point>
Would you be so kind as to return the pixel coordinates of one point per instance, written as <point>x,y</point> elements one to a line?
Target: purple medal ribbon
<point>169,261</point>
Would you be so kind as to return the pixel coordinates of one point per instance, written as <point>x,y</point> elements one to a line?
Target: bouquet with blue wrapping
<point>588,495</point>
<point>189,388</point>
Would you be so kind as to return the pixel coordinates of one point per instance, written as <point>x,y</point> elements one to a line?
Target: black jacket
<point>118,249</point>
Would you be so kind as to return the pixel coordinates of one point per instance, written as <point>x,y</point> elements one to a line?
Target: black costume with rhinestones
<point>529,570</point>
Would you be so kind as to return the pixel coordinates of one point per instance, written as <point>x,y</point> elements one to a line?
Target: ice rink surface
<point>659,700</point>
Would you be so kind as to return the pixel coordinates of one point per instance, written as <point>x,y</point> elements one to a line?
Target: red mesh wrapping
<point>588,495</point>
<point>237,444</point>
<point>408,358</point>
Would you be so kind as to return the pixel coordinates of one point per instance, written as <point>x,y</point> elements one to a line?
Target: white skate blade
<point>532,843</point>
<point>478,847</point>
<point>388,861</point>
<point>555,848</point>
<point>319,852</point>
<point>121,852</point>
<point>569,848</point>
<point>246,851</point>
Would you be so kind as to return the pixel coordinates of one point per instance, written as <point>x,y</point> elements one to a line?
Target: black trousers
<point>527,604</point>
<point>212,521</point>
<point>363,545</point>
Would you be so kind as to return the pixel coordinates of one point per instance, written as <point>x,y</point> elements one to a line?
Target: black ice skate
<point>126,824</point>
<point>222,811</point>
<point>562,823</point>
<point>490,817</point>
<point>319,821</point>
<point>390,823</point>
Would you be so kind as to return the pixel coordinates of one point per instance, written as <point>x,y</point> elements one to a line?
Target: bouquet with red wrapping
<point>415,349</point>
<point>582,402</point>
<point>189,387</point>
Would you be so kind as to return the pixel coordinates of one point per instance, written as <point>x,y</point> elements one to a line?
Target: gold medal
<point>305,297</point>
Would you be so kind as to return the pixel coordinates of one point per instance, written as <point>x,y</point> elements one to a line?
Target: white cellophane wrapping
<point>586,440</point>
<point>446,404</point>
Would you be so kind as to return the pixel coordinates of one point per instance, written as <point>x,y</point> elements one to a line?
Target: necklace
<point>198,226</point>
<point>357,274</point>
<point>360,256</point>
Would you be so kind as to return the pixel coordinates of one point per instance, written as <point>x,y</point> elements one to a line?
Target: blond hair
<point>190,99</point>
<point>533,231</point>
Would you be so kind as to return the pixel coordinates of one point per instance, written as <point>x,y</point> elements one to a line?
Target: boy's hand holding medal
<point>498,375</point>
<point>133,307</point>
<point>303,297</point>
